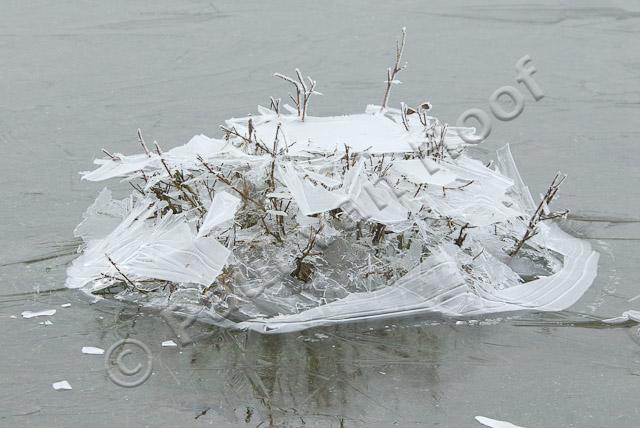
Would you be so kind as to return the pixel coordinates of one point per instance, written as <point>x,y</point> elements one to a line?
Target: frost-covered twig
<point>275,104</point>
<point>397,67</point>
<point>540,215</point>
<point>142,143</point>
<point>461,187</point>
<point>112,156</point>
<point>126,279</point>
<point>304,90</point>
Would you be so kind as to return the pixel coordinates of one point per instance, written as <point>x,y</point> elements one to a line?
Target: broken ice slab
<point>45,313</point>
<point>223,208</point>
<point>169,344</point>
<point>436,287</point>
<point>424,171</point>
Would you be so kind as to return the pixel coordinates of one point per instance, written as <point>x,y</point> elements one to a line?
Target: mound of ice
<point>287,224</point>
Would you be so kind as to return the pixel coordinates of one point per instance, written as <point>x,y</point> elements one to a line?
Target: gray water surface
<point>77,76</point>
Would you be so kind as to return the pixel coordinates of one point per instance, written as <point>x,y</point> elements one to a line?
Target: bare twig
<point>397,67</point>
<point>304,270</point>
<point>462,236</point>
<point>540,215</point>
<point>126,279</point>
<point>142,143</point>
<point>113,157</point>
<point>445,188</point>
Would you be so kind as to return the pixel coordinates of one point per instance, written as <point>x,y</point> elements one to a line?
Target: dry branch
<point>397,67</point>
<point>540,213</point>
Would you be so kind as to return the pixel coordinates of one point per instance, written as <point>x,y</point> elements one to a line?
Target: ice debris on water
<point>626,316</point>
<point>46,313</point>
<point>292,221</point>
<point>46,323</point>
<point>91,350</point>
<point>61,386</point>
<point>65,305</point>
<point>493,423</point>
<point>169,344</point>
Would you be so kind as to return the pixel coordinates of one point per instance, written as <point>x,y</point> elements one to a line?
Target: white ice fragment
<point>46,313</point>
<point>110,168</point>
<point>277,213</point>
<point>61,386</point>
<point>424,171</point>
<point>46,323</point>
<point>13,317</point>
<point>65,305</point>
<point>90,350</point>
<point>626,316</point>
<point>222,209</point>
<point>311,199</point>
<point>493,423</point>
<point>169,344</point>
<point>279,195</point>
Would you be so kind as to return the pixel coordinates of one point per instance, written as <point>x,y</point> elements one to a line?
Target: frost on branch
<point>290,221</point>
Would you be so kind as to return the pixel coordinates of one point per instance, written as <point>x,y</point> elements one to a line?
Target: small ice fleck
<point>47,322</point>
<point>92,350</point>
<point>65,305</point>
<point>30,314</point>
<point>382,373</point>
<point>13,317</point>
<point>169,344</point>
<point>61,386</point>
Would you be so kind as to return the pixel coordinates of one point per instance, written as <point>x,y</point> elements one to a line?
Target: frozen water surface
<point>76,78</point>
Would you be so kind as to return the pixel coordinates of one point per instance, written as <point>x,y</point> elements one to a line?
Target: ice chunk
<point>493,423</point>
<point>61,386</point>
<point>92,350</point>
<point>169,344</point>
<point>337,181</point>
<point>46,313</point>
